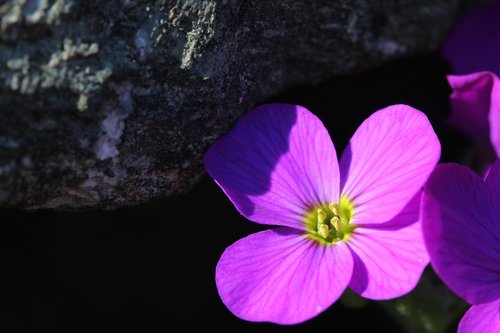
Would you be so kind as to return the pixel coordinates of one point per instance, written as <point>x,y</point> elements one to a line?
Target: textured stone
<point>112,103</point>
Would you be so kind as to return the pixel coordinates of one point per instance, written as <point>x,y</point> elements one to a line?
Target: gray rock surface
<point>106,103</point>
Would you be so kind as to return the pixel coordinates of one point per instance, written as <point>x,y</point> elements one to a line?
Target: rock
<point>112,103</point>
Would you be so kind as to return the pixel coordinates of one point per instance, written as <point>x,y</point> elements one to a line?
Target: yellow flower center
<point>329,224</point>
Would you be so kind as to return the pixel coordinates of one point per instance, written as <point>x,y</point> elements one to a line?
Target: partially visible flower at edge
<point>475,104</point>
<point>472,49</point>
<point>349,224</point>
<point>462,232</point>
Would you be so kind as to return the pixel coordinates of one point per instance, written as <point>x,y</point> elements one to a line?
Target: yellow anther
<point>336,223</point>
<point>323,230</point>
<point>321,216</point>
<point>334,208</point>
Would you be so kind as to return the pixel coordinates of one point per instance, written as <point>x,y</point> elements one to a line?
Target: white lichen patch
<point>28,77</point>
<point>202,16</point>
<point>59,7</point>
<point>142,43</point>
<point>10,13</point>
<point>34,10</point>
<point>125,97</point>
<point>390,47</point>
<point>149,34</point>
<point>112,127</point>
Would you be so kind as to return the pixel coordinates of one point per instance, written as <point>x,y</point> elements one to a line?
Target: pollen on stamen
<point>334,208</point>
<point>330,223</point>
<point>321,216</point>
<point>323,230</point>
<point>335,222</point>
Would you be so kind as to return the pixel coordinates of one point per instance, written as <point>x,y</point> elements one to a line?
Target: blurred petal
<point>475,104</point>
<point>462,233</point>
<point>470,103</point>
<point>481,318</point>
<point>493,179</point>
<point>387,162</point>
<point>282,276</point>
<point>474,43</point>
<point>389,258</point>
<point>275,163</point>
<point>494,116</point>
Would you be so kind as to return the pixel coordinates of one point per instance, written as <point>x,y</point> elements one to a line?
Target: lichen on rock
<point>113,103</point>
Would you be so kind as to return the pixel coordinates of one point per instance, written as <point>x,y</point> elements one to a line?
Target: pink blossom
<point>475,104</point>
<point>353,223</point>
<point>473,51</point>
<point>462,233</point>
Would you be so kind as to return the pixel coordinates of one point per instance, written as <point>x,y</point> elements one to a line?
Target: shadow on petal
<point>277,162</point>
<point>361,275</point>
<point>242,161</point>
<point>409,215</point>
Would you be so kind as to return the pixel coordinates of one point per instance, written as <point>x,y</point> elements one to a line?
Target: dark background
<point>151,267</point>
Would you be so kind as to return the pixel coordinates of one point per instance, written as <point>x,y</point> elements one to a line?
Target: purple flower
<point>461,223</point>
<point>475,104</point>
<point>473,51</point>
<point>349,224</point>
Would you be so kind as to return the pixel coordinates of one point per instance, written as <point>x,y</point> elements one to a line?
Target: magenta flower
<point>473,51</point>
<point>461,223</point>
<point>353,223</point>
<point>475,104</point>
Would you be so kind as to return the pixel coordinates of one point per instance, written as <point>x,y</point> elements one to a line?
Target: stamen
<point>323,230</point>
<point>321,216</point>
<point>335,221</point>
<point>330,223</point>
<point>334,208</point>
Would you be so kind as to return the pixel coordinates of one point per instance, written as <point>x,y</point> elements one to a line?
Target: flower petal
<point>475,104</point>
<point>389,258</point>
<point>275,163</point>
<point>474,42</point>
<point>470,104</point>
<point>494,116</point>
<point>282,276</point>
<point>387,162</point>
<point>462,233</point>
<point>481,318</point>
<point>493,179</point>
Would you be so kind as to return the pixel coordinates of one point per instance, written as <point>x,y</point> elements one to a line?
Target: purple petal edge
<point>275,163</point>
<point>387,162</point>
<point>475,104</point>
<point>281,276</point>
<point>389,258</point>
<point>481,318</point>
<point>460,223</point>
